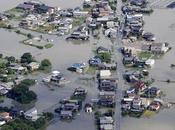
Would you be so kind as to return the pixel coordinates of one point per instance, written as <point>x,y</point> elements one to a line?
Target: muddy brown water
<point>63,54</point>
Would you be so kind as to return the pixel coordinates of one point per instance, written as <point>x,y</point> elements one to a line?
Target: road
<point>120,67</point>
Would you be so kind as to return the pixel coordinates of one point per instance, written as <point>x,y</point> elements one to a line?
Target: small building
<point>107,66</point>
<point>77,67</point>
<point>33,66</point>
<point>44,9</point>
<point>3,17</point>
<point>108,85</point>
<point>106,123</point>
<point>80,13</point>
<point>88,108</point>
<point>154,106</point>
<point>31,114</point>
<point>105,74</point>
<point>5,116</point>
<point>102,50</point>
<point>136,103</point>
<point>107,99</point>
<point>150,62</point>
<point>80,92</point>
<point>25,6</point>
<point>19,69</point>
<point>68,115</point>
<point>159,47</point>
<point>152,92</point>
<point>140,86</point>
<point>95,61</point>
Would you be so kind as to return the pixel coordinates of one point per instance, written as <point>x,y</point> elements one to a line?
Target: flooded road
<point>63,54</point>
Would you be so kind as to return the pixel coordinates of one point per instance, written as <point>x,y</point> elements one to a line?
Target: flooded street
<point>63,54</point>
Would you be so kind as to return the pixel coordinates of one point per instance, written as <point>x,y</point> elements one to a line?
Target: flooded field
<point>63,54</point>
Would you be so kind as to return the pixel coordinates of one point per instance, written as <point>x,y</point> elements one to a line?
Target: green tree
<point>26,58</point>
<point>7,127</point>
<point>11,59</point>
<point>45,64</point>
<point>29,35</point>
<point>10,71</point>
<point>105,57</point>
<point>1,55</point>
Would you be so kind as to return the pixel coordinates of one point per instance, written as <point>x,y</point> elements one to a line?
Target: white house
<point>105,73</point>
<point>34,66</point>
<point>31,114</point>
<point>159,47</point>
<point>150,62</point>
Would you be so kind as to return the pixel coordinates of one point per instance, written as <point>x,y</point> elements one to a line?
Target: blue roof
<point>78,65</point>
<point>95,60</point>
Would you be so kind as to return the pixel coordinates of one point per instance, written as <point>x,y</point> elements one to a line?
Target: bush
<point>105,57</point>
<point>45,64</point>
<point>26,58</point>
<point>29,35</point>
<point>9,27</point>
<point>21,92</point>
<point>18,31</point>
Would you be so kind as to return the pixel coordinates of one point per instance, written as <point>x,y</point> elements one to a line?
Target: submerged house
<point>107,99</point>
<point>31,114</point>
<point>106,123</point>
<point>95,61</point>
<point>68,115</point>
<point>43,9</point>
<point>138,2</point>
<point>80,92</point>
<point>77,67</point>
<point>102,50</point>
<point>108,85</point>
<point>33,66</point>
<point>158,48</point>
<point>26,6</point>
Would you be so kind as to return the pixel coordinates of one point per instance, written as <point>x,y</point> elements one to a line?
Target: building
<point>33,66</point>
<point>105,74</point>
<point>106,123</point>
<point>68,115</point>
<point>31,114</point>
<point>5,116</point>
<point>25,6</point>
<point>107,99</point>
<point>88,108</point>
<point>102,50</point>
<point>150,62</point>
<point>159,47</point>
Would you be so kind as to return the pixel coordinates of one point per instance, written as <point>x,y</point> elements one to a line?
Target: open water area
<point>63,54</point>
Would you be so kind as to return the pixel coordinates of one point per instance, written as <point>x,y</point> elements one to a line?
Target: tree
<point>21,92</point>
<point>105,57</point>
<point>45,64</point>
<point>7,127</point>
<point>9,27</point>
<point>26,58</point>
<point>29,35</point>
<point>11,59</point>
<point>10,71</point>
<point>1,55</point>
<point>18,31</point>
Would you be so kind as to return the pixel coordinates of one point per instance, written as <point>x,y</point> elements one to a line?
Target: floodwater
<point>162,24</point>
<point>63,54</point>
<point>5,5</point>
